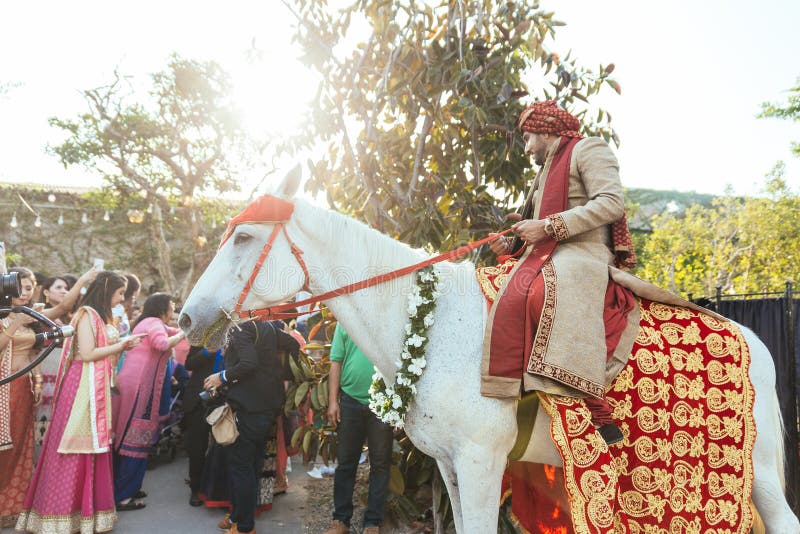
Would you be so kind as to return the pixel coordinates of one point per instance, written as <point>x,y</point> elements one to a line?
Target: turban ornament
<point>547,117</point>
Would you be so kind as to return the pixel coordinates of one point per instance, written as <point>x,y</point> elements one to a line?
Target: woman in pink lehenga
<point>72,488</point>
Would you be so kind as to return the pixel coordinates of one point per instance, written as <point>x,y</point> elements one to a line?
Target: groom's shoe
<point>611,433</point>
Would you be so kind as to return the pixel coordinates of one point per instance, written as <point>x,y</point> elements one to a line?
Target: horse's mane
<point>350,234</point>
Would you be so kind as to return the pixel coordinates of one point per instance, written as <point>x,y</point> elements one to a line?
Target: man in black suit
<point>255,371</point>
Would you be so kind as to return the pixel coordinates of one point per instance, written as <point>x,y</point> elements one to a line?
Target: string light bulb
<point>13,223</point>
<point>106,216</point>
<point>213,224</point>
<point>84,218</point>
<point>60,219</point>
<point>135,216</point>
<point>38,222</point>
<point>51,197</point>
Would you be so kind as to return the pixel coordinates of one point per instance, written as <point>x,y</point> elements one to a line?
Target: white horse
<point>469,435</point>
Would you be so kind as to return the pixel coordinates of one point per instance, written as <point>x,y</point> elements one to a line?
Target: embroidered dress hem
<point>69,492</point>
<point>8,521</point>
<point>101,521</point>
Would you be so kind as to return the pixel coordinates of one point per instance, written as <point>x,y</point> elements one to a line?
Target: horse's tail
<point>780,457</point>
<point>780,452</point>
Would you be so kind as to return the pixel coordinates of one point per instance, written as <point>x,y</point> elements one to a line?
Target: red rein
<point>277,311</point>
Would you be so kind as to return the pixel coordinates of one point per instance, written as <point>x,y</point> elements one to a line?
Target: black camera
<point>10,288</point>
<point>213,394</point>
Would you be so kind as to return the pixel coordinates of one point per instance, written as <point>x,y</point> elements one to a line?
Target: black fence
<point>775,318</point>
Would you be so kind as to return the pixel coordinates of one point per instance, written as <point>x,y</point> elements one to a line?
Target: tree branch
<point>476,157</point>
<point>421,140</point>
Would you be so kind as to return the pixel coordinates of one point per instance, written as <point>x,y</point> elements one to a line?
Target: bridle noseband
<point>237,314</point>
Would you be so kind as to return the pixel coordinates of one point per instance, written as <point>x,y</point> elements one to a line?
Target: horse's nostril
<point>184,321</point>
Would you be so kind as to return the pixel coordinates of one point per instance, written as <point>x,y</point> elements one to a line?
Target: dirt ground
<point>320,506</point>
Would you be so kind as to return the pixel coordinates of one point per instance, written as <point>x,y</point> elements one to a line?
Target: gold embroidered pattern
<point>685,406</point>
<point>101,521</point>
<point>559,226</point>
<point>494,277</point>
<point>536,363</point>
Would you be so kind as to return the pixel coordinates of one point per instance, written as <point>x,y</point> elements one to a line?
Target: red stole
<point>507,345</point>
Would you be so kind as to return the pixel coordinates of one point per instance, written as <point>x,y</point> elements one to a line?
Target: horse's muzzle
<point>184,321</point>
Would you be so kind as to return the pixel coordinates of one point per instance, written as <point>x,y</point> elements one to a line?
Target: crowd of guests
<point>66,427</point>
<point>77,432</point>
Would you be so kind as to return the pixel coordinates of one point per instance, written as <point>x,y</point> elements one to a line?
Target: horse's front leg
<point>448,473</point>
<point>479,474</point>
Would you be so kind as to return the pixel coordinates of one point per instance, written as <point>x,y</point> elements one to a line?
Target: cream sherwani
<point>569,350</point>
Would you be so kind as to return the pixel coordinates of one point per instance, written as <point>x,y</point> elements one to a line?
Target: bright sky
<point>693,75</point>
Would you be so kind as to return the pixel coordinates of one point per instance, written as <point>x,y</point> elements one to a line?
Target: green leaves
<point>170,146</point>
<point>397,483</point>
<point>464,67</point>
<point>788,111</point>
<point>741,245</point>
<point>300,394</point>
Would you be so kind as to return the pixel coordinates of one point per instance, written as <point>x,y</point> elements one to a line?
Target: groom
<point>560,317</point>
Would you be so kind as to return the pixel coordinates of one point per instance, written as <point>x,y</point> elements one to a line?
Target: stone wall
<point>73,230</point>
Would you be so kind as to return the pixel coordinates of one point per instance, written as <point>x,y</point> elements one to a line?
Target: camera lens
<point>10,286</point>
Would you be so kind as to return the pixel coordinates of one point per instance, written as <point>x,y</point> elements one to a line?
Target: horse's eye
<point>242,238</point>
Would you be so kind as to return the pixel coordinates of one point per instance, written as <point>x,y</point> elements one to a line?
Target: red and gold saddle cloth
<point>685,405</point>
<point>493,277</point>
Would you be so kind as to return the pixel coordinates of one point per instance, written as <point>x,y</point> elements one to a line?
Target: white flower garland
<point>390,404</point>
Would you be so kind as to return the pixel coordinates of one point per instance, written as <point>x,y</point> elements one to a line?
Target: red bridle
<point>277,311</point>
<point>255,314</point>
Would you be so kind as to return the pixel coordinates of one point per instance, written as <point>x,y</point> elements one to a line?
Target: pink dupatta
<point>89,424</point>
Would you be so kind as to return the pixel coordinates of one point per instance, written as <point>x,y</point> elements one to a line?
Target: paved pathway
<point>168,510</point>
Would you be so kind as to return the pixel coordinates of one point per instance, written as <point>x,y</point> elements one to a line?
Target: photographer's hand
<point>14,321</point>
<point>212,381</point>
<point>19,319</point>
<point>88,276</point>
<point>72,296</point>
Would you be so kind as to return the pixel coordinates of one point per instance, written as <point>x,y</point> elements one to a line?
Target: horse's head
<point>206,315</point>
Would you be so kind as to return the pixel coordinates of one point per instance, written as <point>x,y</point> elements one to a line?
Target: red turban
<point>264,209</point>
<point>547,117</point>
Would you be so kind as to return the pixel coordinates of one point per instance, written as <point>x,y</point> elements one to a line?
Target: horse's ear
<point>290,183</point>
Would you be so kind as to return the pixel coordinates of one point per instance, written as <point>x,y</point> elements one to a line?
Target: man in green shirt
<point>348,411</point>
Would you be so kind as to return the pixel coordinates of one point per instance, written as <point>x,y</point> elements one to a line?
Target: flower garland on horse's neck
<point>391,404</point>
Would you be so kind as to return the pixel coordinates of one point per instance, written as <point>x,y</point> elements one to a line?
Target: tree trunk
<point>201,256</point>
<point>163,257</point>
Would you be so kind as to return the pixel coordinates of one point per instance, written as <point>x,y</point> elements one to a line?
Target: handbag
<point>223,424</point>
